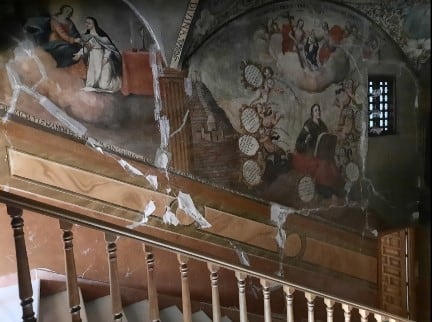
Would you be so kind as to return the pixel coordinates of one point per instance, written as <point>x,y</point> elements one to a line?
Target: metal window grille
<point>381,106</point>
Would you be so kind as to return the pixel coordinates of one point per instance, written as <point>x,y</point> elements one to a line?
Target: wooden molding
<point>69,174</point>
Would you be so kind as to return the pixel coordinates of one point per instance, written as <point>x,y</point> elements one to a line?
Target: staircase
<point>33,305</point>
<point>10,308</point>
<point>55,308</point>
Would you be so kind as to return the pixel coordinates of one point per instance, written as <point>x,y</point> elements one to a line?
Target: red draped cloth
<point>324,172</point>
<point>336,34</point>
<point>287,41</point>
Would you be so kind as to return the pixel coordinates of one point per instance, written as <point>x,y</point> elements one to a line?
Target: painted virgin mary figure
<point>56,34</point>
<point>102,58</point>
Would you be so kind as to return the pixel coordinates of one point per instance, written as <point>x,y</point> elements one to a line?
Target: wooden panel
<point>341,260</point>
<point>55,171</point>
<point>392,277</point>
<point>85,183</point>
<point>247,231</point>
<point>336,258</point>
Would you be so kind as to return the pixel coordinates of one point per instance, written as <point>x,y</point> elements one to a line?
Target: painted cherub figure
<point>269,118</point>
<point>262,94</point>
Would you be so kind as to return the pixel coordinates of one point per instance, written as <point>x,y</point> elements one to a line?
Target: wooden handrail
<point>56,212</point>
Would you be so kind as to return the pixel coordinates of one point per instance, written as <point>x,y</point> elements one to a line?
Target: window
<point>381,106</point>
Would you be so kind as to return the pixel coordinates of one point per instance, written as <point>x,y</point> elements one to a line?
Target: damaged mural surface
<point>277,102</point>
<point>73,68</point>
<point>292,81</point>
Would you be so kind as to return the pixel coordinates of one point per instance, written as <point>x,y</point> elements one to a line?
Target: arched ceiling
<point>406,22</point>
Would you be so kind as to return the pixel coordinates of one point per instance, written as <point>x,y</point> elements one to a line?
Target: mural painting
<point>276,103</point>
<point>291,79</point>
<point>73,69</point>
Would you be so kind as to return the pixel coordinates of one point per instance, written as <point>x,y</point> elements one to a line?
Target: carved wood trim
<point>396,273</point>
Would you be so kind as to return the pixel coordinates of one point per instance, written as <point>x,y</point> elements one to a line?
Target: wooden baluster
<point>241,277</point>
<point>289,302</point>
<point>187,311</point>
<point>329,308</point>
<point>310,304</point>
<point>23,271</point>
<point>215,292</point>
<point>113,275</point>
<point>364,315</point>
<point>151,285</point>
<point>72,283</point>
<point>266,294</point>
<point>347,312</point>
<point>378,317</point>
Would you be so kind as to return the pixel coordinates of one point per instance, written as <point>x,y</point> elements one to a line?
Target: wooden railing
<point>16,204</point>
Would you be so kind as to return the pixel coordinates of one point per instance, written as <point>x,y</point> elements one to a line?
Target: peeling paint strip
<point>243,257</point>
<point>186,204</point>
<point>153,180</point>
<point>162,158</point>
<point>170,218</point>
<point>148,211</point>
<point>279,213</point>
<point>15,83</point>
<point>182,125</point>
<point>66,120</point>
<point>156,88</point>
<point>164,128</point>
<point>281,237</point>
<point>188,86</point>
<point>42,70</point>
<point>95,145</point>
<point>49,106</point>
<point>129,168</point>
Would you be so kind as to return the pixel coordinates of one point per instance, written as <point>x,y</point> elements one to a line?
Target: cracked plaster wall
<point>376,191</point>
<point>395,190</point>
<point>388,183</point>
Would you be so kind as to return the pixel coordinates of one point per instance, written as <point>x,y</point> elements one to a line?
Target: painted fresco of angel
<point>262,94</point>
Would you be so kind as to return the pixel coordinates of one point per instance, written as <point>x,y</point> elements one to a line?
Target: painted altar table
<point>137,74</point>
